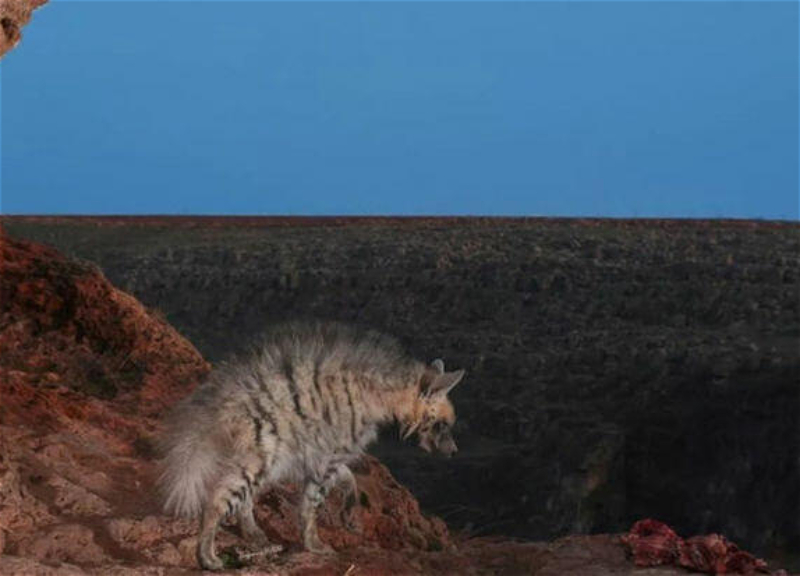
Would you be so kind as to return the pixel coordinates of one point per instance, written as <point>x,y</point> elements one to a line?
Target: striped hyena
<point>306,402</point>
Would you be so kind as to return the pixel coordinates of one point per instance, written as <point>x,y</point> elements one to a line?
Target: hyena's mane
<point>336,346</point>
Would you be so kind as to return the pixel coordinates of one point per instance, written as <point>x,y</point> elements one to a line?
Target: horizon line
<point>288,218</point>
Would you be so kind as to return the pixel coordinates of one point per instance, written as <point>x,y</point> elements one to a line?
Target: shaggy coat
<point>306,402</point>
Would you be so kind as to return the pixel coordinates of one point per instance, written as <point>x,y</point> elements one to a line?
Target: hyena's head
<point>433,415</point>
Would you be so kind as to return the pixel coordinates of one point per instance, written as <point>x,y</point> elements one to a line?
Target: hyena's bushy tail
<point>189,465</point>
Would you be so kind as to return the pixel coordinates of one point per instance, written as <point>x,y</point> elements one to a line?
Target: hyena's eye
<point>439,427</point>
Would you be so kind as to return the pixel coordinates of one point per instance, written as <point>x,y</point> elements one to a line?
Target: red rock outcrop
<point>14,14</point>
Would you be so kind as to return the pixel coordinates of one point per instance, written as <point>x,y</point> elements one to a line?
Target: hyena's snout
<point>447,446</point>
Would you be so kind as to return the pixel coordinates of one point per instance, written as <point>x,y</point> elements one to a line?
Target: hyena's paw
<point>256,537</point>
<point>353,524</point>
<point>323,549</point>
<point>317,546</point>
<point>209,561</point>
<point>349,517</point>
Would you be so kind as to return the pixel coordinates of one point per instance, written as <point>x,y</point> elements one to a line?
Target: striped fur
<point>304,403</point>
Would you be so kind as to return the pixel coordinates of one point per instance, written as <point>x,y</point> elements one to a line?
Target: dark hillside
<point>616,369</point>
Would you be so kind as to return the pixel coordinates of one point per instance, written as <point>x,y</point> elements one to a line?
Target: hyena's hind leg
<point>233,495</point>
<point>314,495</point>
<point>209,522</point>
<point>247,523</point>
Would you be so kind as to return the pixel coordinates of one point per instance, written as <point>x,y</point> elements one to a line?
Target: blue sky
<point>664,109</point>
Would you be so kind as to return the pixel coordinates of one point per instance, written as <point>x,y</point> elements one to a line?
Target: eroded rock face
<point>14,14</point>
<point>62,324</point>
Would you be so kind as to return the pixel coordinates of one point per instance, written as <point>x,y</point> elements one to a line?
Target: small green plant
<point>230,558</point>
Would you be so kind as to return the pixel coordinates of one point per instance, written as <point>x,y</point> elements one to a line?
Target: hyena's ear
<point>438,365</point>
<point>441,384</point>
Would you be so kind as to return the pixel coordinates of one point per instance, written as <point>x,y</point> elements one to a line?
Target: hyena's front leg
<point>345,477</point>
<point>313,495</point>
<point>247,523</point>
